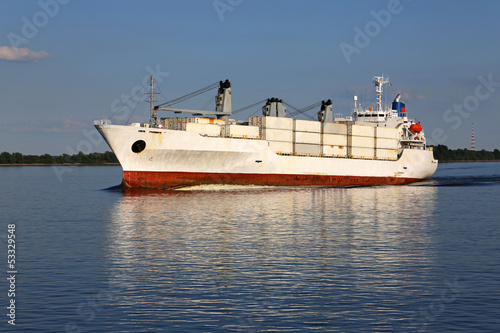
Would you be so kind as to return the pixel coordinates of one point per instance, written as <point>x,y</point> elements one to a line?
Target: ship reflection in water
<point>257,258</point>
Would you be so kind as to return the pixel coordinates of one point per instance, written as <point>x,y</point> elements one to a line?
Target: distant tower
<point>472,143</point>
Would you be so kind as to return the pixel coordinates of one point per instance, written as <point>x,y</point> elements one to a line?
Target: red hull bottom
<point>172,180</point>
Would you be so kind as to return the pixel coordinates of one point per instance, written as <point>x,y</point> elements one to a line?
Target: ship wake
<point>463,181</point>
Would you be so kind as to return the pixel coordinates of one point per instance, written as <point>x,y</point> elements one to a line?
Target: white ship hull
<point>174,159</point>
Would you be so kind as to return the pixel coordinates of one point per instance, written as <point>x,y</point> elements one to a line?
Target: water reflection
<point>264,258</point>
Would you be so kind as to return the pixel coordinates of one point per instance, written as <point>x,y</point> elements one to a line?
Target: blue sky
<point>65,63</point>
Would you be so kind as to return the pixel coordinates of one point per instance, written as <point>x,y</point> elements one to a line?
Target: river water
<point>423,257</point>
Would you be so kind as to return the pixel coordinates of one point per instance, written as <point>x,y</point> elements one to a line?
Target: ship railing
<point>102,122</point>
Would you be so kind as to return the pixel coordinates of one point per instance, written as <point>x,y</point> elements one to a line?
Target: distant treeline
<point>443,153</point>
<point>80,158</point>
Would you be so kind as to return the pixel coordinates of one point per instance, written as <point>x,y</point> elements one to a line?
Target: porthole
<point>138,146</point>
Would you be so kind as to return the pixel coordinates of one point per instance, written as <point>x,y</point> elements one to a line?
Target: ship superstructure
<point>371,147</point>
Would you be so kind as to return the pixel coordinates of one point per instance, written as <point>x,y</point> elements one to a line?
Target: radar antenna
<point>379,81</point>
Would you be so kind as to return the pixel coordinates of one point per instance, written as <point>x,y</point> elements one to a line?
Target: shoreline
<point>62,164</point>
<point>457,161</point>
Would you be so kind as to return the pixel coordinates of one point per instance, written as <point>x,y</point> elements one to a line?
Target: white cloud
<point>11,53</point>
<point>53,125</point>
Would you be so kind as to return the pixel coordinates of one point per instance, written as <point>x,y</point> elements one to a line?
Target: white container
<point>360,130</point>
<point>252,121</point>
<point>181,124</point>
<point>272,122</point>
<point>203,129</point>
<point>308,137</point>
<point>307,149</point>
<point>386,133</point>
<point>334,128</point>
<point>168,122</point>
<point>177,124</point>
<point>335,139</point>
<point>362,142</point>
<point>204,120</point>
<point>386,154</point>
<point>386,143</point>
<point>335,151</point>
<point>240,131</point>
<point>276,134</point>
<point>281,147</point>
<point>366,153</point>
<point>307,126</point>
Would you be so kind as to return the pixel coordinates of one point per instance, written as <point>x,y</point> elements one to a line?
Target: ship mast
<point>153,118</point>
<point>379,81</point>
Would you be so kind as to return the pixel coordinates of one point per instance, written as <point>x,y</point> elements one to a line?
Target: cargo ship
<point>372,146</point>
